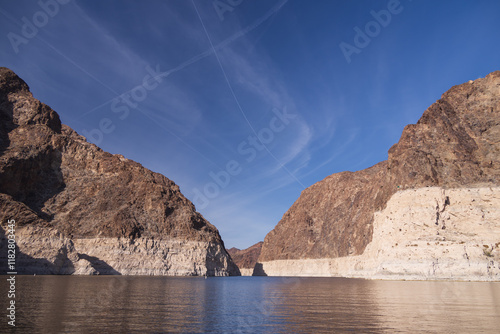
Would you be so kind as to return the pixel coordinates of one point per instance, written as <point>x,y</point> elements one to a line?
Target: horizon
<point>245,105</point>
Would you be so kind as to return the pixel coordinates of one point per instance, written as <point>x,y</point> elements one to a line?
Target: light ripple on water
<point>117,304</point>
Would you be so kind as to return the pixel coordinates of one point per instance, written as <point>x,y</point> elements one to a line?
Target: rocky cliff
<point>339,226</point>
<point>246,259</point>
<point>80,210</point>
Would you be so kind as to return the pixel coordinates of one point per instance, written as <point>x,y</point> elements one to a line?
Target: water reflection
<point>440,307</point>
<point>325,305</point>
<point>117,304</point>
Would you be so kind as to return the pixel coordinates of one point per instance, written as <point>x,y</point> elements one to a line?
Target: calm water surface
<point>120,304</point>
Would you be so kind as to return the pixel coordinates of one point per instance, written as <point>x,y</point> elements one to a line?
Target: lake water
<point>121,304</point>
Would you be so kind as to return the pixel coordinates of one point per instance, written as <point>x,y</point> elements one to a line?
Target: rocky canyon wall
<point>381,222</point>
<point>425,233</point>
<point>246,259</point>
<point>80,210</point>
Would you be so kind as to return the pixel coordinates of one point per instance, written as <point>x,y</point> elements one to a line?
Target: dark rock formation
<point>52,178</point>
<point>247,258</point>
<point>456,143</point>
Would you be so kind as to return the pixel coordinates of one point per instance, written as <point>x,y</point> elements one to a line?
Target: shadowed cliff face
<point>79,190</point>
<point>456,143</point>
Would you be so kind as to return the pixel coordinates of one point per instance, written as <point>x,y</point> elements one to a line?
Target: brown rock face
<point>52,177</point>
<point>456,143</point>
<point>246,258</point>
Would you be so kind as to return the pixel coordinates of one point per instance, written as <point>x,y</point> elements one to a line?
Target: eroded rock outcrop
<point>81,210</point>
<point>246,259</point>
<point>454,147</point>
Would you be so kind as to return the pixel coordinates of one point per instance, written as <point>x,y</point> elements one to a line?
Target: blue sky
<point>244,103</point>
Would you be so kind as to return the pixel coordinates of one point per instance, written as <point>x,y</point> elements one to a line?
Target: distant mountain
<point>431,211</point>
<point>247,258</point>
<point>80,210</point>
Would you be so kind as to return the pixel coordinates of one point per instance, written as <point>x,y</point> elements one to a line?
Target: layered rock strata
<point>340,226</point>
<point>80,210</point>
<point>419,236</point>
